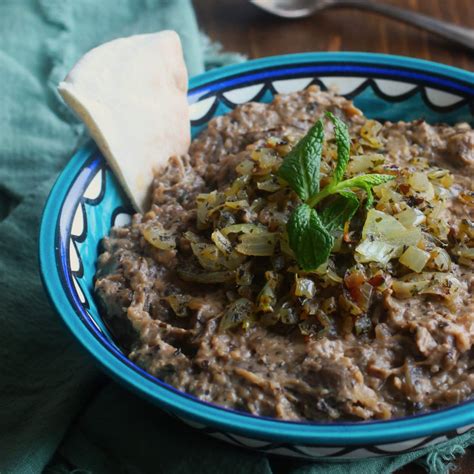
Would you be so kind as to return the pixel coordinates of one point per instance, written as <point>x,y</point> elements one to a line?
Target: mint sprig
<point>311,234</point>
<point>306,233</point>
<point>365,182</point>
<point>343,142</point>
<point>335,214</point>
<point>301,166</point>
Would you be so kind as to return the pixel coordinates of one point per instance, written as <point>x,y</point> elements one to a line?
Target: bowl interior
<point>87,201</point>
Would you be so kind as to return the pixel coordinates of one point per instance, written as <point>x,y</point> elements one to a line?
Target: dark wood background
<point>239,26</point>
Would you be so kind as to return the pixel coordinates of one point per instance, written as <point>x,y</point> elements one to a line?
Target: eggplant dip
<point>304,262</point>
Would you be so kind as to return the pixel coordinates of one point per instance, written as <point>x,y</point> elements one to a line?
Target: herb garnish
<point>311,232</point>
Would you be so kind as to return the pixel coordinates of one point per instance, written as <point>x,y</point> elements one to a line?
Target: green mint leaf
<point>308,238</point>
<point>300,168</point>
<point>366,182</point>
<point>309,234</point>
<point>343,142</point>
<point>370,196</point>
<point>339,211</point>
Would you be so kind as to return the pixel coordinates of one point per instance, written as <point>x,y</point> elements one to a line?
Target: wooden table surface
<point>239,26</point>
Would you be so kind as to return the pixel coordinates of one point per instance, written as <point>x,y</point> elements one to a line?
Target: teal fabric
<point>58,413</point>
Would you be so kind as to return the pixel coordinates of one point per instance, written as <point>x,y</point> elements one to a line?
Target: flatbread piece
<point>131,95</point>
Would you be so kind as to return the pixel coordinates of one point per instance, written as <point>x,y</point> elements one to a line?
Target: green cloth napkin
<point>58,413</point>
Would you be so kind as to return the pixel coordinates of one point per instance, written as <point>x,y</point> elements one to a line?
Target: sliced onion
<point>257,205</point>
<point>428,283</point>
<point>421,184</point>
<point>384,238</point>
<point>205,205</point>
<point>310,306</point>
<point>437,211</point>
<point>270,184</point>
<point>411,217</point>
<point>260,244</point>
<point>386,194</point>
<point>239,184</point>
<point>191,237</point>
<point>439,227</point>
<point>377,251</point>
<point>304,287</point>
<point>366,291</point>
<point>267,297</point>
<point>210,257</point>
<point>245,167</point>
<point>232,260</point>
<point>243,228</point>
<point>207,254</point>
<point>237,313</point>
<point>362,163</point>
<point>369,133</point>
<point>441,259</point>
<point>266,158</point>
<point>326,271</point>
<point>414,258</point>
<point>443,285</point>
<point>441,193</point>
<point>221,242</point>
<point>408,289</point>
<point>159,237</point>
<point>237,205</point>
<point>201,213</point>
<point>333,277</point>
<point>284,312</point>
<point>382,226</point>
<point>441,176</point>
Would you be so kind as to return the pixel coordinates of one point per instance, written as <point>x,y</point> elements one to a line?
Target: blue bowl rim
<point>303,433</point>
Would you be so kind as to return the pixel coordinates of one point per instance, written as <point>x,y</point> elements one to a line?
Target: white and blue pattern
<point>87,201</point>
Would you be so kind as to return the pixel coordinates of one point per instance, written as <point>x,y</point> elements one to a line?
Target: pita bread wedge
<point>131,95</point>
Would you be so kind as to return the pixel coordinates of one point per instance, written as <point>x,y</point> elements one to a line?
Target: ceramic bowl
<point>87,201</point>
